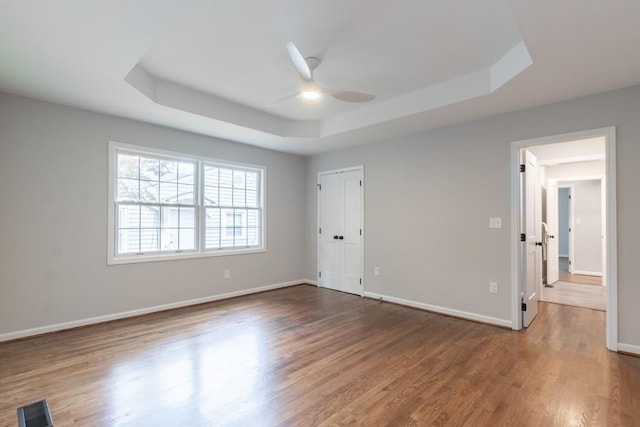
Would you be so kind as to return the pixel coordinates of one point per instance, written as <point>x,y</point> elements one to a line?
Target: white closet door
<point>340,233</point>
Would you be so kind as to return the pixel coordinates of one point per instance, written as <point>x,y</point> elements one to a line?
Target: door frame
<point>609,134</point>
<point>359,168</point>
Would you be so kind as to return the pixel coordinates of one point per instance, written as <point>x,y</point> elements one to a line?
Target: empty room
<point>319,213</point>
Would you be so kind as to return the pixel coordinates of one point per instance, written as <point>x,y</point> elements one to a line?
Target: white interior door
<point>340,231</point>
<point>530,226</point>
<point>329,223</point>
<point>553,264</point>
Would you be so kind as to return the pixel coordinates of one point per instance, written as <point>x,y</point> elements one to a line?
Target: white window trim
<point>201,252</point>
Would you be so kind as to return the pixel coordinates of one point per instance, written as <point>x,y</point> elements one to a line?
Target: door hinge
<point>320,230</point>
<point>360,183</point>
<point>522,168</point>
<point>361,281</point>
<point>361,231</point>
<point>569,195</point>
<point>523,306</point>
<point>569,229</point>
<point>319,273</point>
<point>570,262</point>
<point>319,187</point>
<point>523,237</point>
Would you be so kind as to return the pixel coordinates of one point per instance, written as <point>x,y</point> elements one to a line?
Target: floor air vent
<point>35,414</point>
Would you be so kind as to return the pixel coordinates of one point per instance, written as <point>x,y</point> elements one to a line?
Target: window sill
<point>135,259</point>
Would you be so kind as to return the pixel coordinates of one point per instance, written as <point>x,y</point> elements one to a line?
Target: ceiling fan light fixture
<point>311,91</point>
<point>311,94</point>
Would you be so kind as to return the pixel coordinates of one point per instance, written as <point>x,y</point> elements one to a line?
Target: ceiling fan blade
<point>349,96</point>
<point>286,98</point>
<point>299,61</point>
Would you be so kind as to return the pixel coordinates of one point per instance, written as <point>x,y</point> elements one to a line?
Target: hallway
<point>576,290</point>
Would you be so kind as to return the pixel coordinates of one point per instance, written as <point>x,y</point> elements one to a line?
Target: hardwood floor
<point>307,356</point>
<point>565,276</point>
<point>578,295</point>
<point>572,289</point>
<point>581,279</point>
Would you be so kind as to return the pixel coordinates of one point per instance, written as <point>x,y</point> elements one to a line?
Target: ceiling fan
<point>311,90</point>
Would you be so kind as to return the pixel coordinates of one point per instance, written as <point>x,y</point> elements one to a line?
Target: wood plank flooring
<point>578,295</point>
<point>582,279</point>
<point>307,356</point>
<point>565,276</point>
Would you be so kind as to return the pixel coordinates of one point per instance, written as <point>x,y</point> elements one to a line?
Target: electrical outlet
<point>376,270</point>
<point>493,287</point>
<point>227,274</point>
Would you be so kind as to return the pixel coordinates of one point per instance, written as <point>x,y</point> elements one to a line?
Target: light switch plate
<point>493,287</point>
<point>495,222</point>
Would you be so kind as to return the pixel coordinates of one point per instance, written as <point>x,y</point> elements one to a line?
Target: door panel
<point>351,272</point>
<point>352,215</point>
<point>351,185</point>
<point>531,225</point>
<point>328,256</point>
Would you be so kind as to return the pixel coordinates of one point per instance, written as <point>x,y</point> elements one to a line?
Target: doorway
<point>340,236</point>
<point>580,231</point>
<point>578,238</point>
<point>564,213</point>
<point>519,248</point>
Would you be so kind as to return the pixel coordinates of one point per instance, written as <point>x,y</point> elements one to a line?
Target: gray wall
<point>428,198</point>
<point>588,227</point>
<point>53,219</point>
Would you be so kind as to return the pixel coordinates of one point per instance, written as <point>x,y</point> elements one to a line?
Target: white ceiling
<point>560,153</point>
<point>214,67</point>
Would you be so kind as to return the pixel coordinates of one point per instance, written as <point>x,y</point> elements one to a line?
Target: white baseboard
<point>588,273</point>
<point>441,310</point>
<point>311,282</point>
<point>122,315</point>
<point>629,348</point>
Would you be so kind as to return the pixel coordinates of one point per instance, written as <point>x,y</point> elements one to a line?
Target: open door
<point>530,229</point>
<point>553,264</point>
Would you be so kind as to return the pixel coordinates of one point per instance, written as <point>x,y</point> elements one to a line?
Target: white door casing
<point>553,267</point>
<point>530,227</point>
<point>340,240</point>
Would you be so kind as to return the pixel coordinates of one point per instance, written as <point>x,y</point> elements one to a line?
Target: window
<point>167,205</point>
<point>232,207</point>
